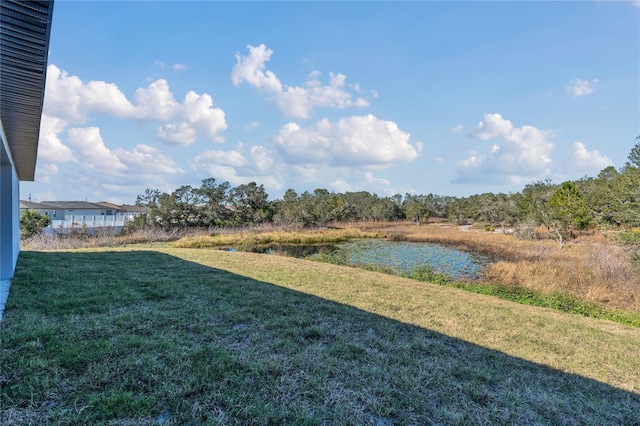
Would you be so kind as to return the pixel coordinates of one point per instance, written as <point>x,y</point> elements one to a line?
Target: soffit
<point>25,28</point>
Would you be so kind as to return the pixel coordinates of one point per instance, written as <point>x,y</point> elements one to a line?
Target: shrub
<point>489,228</point>
<point>630,237</point>
<point>32,222</point>
<point>426,273</point>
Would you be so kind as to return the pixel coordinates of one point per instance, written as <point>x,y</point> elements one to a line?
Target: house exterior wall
<point>67,213</point>
<point>48,212</point>
<point>9,212</point>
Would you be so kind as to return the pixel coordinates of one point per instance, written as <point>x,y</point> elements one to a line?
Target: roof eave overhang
<point>25,29</point>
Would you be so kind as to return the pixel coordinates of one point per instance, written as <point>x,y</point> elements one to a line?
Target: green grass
<point>182,336</point>
<point>562,302</point>
<point>629,237</point>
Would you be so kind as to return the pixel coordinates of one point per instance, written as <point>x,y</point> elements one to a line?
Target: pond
<point>405,257</point>
<point>399,256</point>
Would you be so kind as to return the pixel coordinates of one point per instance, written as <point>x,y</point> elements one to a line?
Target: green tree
<point>214,197</point>
<point>250,204</point>
<point>568,208</point>
<point>32,223</point>
<point>415,208</point>
<point>150,198</point>
<point>634,155</point>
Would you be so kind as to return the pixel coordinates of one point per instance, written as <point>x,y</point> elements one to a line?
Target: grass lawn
<point>160,335</point>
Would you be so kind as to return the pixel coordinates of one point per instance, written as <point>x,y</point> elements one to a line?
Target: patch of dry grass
<point>101,238</point>
<point>260,237</point>
<point>592,268</point>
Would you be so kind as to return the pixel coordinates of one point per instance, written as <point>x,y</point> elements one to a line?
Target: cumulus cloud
<point>46,171</point>
<point>457,129</point>
<point>71,100</point>
<point>354,141</point>
<point>50,147</point>
<point>293,101</point>
<point>155,102</point>
<point>94,154</point>
<point>252,70</point>
<point>521,153</point>
<point>200,119</point>
<point>98,171</point>
<point>580,87</point>
<point>239,167</point>
<point>198,110</point>
<point>147,160</point>
<point>345,179</point>
<point>579,159</point>
<point>176,134</point>
<point>67,97</point>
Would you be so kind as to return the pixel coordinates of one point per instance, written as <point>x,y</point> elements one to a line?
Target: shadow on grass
<point>146,338</point>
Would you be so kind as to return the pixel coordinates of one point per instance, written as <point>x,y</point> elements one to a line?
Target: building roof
<point>73,205</point>
<point>35,206</point>
<point>25,28</point>
<point>108,205</point>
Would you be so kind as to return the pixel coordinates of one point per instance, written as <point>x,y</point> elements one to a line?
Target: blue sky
<point>451,98</point>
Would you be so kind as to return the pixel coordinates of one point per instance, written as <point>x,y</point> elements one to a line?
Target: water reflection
<point>401,257</point>
<point>293,250</point>
<point>404,257</point>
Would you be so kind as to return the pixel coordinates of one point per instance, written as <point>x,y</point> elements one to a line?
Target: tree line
<point>610,199</point>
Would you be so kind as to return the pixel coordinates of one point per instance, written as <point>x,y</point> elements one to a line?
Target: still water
<point>404,257</point>
<point>401,257</point>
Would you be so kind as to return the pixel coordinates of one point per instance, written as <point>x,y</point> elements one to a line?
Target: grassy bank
<point>180,336</point>
<point>593,268</point>
<point>252,239</point>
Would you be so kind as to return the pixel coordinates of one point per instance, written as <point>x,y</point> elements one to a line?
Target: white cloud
<point>155,102</point>
<point>70,100</point>
<point>341,185</point>
<point>176,134</point>
<point>354,141</point>
<point>457,129</point>
<point>581,160</point>
<point>95,156</point>
<point>45,172</point>
<point>147,160</point>
<point>251,69</point>
<point>580,87</point>
<point>293,101</point>
<point>237,167</point>
<point>50,148</point>
<point>227,158</point>
<point>198,110</point>
<point>492,125</point>
<point>523,153</point>
<point>100,172</point>
<point>180,67</point>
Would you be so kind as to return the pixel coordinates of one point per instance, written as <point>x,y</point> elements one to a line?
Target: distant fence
<point>80,222</point>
